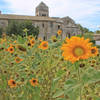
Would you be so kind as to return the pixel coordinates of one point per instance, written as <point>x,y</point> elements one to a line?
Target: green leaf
<point>72,88</point>
<point>21,40</point>
<point>90,76</point>
<point>58,93</point>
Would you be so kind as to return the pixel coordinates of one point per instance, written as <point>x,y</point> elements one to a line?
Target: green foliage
<point>97,32</point>
<point>88,35</point>
<point>57,79</point>
<point>17,27</point>
<point>84,29</point>
<point>93,41</point>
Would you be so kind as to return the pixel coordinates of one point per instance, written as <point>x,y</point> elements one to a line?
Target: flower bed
<point>49,70</point>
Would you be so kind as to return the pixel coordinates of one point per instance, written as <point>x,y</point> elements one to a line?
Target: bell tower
<point>42,10</point>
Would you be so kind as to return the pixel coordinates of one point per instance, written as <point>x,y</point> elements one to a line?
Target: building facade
<point>48,26</point>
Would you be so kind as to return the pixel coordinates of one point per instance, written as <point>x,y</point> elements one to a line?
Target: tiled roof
<point>23,17</point>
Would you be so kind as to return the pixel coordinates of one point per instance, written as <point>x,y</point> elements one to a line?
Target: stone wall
<point>3,24</point>
<point>47,26</point>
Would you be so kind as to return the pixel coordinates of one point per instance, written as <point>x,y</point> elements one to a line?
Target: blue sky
<point>85,12</point>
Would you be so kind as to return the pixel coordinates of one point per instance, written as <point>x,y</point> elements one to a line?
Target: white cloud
<point>77,9</point>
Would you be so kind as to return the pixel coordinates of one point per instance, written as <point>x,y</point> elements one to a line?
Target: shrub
<point>17,27</point>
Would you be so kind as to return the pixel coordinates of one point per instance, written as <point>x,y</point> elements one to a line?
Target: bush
<point>17,27</point>
<point>93,41</point>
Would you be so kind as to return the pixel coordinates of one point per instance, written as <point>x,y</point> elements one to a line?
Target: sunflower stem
<point>80,82</point>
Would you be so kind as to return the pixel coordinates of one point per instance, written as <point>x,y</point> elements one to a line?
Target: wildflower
<point>93,61</point>
<point>44,45</point>
<point>1,49</point>
<point>40,39</point>
<point>94,51</point>
<point>18,59</point>
<point>5,71</point>
<point>15,41</point>
<point>32,42</point>
<point>30,37</point>
<point>59,32</point>
<point>92,65</point>
<point>12,83</point>
<point>54,39</point>
<point>34,82</point>
<point>82,65</point>
<point>76,48</point>
<point>29,44</point>
<point>11,49</point>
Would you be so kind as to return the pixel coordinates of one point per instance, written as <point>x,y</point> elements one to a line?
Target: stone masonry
<point>48,26</point>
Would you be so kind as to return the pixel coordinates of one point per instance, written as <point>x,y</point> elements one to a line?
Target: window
<point>51,24</point>
<point>43,14</point>
<point>44,38</point>
<point>43,25</point>
<point>58,26</point>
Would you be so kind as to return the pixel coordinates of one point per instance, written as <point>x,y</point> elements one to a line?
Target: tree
<point>97,32</point>
<point>17,27</point>
<point>84,29</point>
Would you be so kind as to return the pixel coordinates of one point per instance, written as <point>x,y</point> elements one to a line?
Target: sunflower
<point>44,45</point>
<point>1,49</point>
<point>94,51</point>
<point>76,48</point>
<point>54,39</point>
<point>40,39</point>
<point>32,42</point>
<point>30,37</point>
<point>15,41</point>
<point>34,82</point>
<point>12,83</point>
<point>59,32</point>
<point>11,49</point>
<point>18,59</point>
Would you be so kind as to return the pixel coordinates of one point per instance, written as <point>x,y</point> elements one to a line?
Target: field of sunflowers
<point>56,69</point>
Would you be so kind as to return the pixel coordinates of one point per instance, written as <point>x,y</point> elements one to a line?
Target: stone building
<point>48,26</point>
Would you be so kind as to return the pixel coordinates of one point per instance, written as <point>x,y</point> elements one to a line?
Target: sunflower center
<point>93,51</point>
<point>32,42</point>
<point>44,45</point>
<point>13,82</point>
<point>11,49</point>
<point>78,51</point>
<point>34,81</point>
<point>18,59</point>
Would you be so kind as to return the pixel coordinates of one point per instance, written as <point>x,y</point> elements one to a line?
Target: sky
<point>84,12</point>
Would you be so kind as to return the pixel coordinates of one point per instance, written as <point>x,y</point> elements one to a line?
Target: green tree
<point>97,32</point>
<point>84,29</point>
<point>17,27</point>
